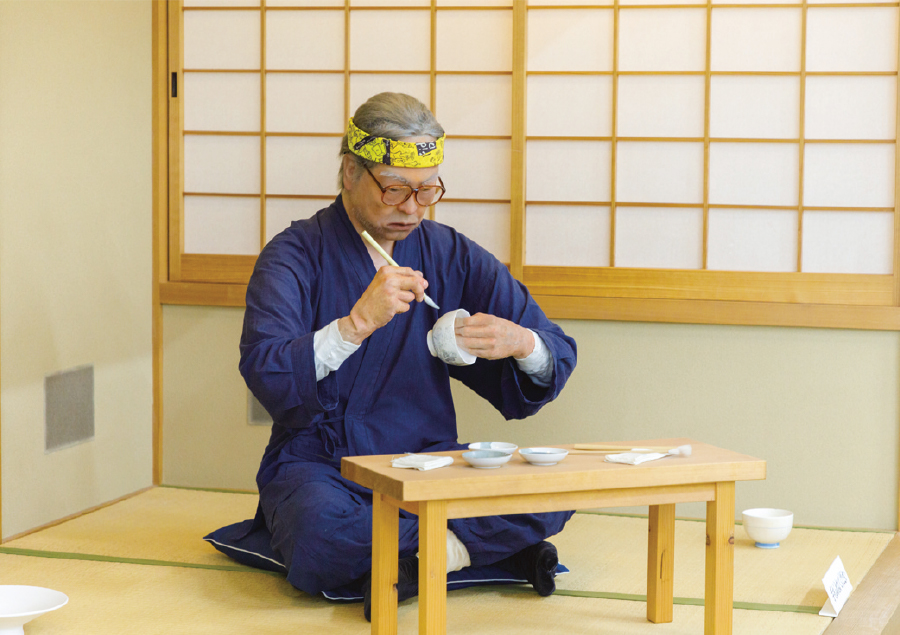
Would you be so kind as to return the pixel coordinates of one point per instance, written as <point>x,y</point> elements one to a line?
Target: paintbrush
<point>393,263</point>
<point>681,450</point>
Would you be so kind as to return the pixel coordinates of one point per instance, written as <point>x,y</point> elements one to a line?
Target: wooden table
<point>580,481</point>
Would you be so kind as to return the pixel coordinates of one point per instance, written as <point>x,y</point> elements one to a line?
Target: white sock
<point>457,554</point>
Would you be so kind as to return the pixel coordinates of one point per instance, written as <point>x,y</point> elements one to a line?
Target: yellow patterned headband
<point>402,154</point>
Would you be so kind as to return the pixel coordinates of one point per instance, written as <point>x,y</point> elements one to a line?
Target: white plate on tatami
<point>21,604</point>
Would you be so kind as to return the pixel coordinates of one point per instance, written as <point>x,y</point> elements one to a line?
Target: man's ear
<point>350,171</point>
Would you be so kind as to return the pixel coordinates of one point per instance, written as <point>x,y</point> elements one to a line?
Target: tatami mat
<point>111,598</point>
<point>163,523</point>
<point>790,575</point>
<point>606,553</point>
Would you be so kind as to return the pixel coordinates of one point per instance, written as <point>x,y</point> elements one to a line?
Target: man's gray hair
<point>392,116</point>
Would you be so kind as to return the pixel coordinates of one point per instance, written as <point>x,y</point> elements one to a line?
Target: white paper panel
<point>756,39</point>
<point>851,39</point>
<point>305,102</point>
<point>474,104</point>
<point>302,165</point>
<point>754,173</point>
<point>221,164</point>
<point>662,40</point>
<point>221,40</point>
<point>848,242</point>
<point>220,3</point>
<point>363,86</point>
<point>659,238</point>
<point>474,40</point>
<point>851,107</point>
<point>221,101</point>
<point>625,3</point>
<point>485,223</point>
<point>389,3</point>
<point>542,3</point>
<point>218,225</point>
<point>570,105</point>
<point>473,3</point>
<point>843,2</point>
<point>305,40</point>
<point>752,240</point>
<point>659,172</point>
<point>305,3</point>
<point>749,107</point>
<point>849,175</point>
<point>661,106</point>
<point>715,2</point>
<point>567,236</point>
<point>570,40</point>
<point>280,212</point>
<point>568,171</point>
<point>476,168</point>
<point>390,41</point>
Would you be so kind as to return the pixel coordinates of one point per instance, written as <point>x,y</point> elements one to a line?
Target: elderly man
<point>334,347</point>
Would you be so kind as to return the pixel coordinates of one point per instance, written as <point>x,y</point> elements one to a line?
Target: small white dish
<point>767,527</point>
<point>509,448</point>
<point>543,456</point>
<point>485,458</point>
<point>21,604</point>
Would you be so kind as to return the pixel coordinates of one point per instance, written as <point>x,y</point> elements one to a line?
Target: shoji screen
<point>266,93</point>
<point>712,151</point>
<point>621,157</point>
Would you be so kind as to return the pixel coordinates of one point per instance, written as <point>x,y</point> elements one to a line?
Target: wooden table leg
<point>661,563</point>
<point>433,568</point>
<point>719,599</point>
<point>385,557</point>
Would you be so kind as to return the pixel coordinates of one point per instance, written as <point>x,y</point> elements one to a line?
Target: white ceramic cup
<point>442,342</point>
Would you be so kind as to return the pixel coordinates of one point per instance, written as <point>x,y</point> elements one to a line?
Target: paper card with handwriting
<point>837,586</point>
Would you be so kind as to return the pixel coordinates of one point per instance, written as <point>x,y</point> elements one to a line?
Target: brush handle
<point>599,447</point>
<point>393,263</point>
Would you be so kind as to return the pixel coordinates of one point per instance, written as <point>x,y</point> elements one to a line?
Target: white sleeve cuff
<point>539,364</point>
<point>330,350</point>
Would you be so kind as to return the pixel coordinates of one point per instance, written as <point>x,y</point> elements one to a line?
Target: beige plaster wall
<point>75,248</point>
<point>820,405</point>
<point>207,440</point>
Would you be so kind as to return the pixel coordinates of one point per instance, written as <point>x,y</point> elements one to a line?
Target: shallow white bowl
<point>543,456</point>
<point>767,527</point>
<point>509,448</point>
<point>485,458</point>
<point>21,604</point>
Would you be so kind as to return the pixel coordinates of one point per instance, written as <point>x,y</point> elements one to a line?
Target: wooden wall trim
<point>882,318</point>
<point>160,209</point>
<point>801,288</point>
<point>202,294</point>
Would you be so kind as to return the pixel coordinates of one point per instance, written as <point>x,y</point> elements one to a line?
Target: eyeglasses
<point>398,194</point>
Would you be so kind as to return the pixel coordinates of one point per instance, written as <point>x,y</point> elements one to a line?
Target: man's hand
<point>491,337</point>
<point>390,292</point>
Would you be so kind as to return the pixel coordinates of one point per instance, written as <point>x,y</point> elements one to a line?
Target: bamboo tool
<point>393,263</point>
<point>681,450</point>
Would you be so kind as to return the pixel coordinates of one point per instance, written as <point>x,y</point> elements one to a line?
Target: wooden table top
<point>577,472</point>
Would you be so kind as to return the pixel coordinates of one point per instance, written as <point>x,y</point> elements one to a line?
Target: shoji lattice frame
<point>702,296</point>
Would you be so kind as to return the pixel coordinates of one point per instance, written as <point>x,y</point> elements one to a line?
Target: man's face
<point>363,199</point>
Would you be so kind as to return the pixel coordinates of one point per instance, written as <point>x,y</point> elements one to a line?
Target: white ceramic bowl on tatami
<point>21,604</point>
<point>766,526</point>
